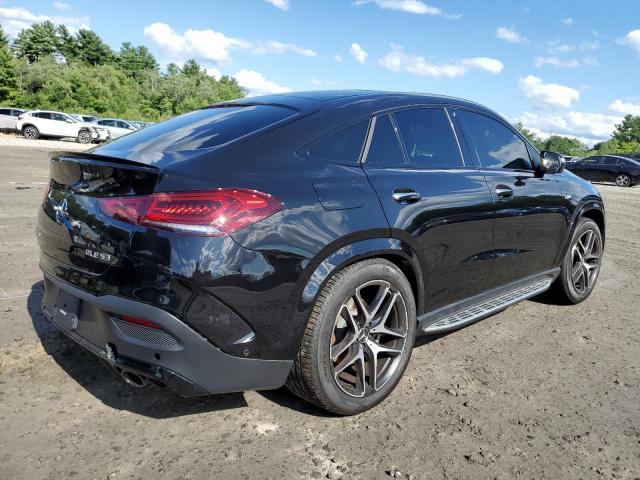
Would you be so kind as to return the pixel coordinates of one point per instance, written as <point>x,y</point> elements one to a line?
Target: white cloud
<point>358,52</point>
<point>209,45</point>
<point>588,127</point>
<point>632,39</point>
<point>547,94</point>
<point>61,6</point>
<point>337,57</point>
<point>585,46</point>
<point>256,84</point>
<point>399,61</point>
<point>281,4</point>
<point>410,6</point>
<point>202,44</point>
<point>509,35</point>
<point>16,19</point>
<point>272,46</point>
<point>624,108</point>
<point>565,62</point>
<point>213,72</point>
<point>567,21</point>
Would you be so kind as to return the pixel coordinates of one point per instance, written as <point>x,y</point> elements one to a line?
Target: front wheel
<point>581,265</point>
<point>84,136</point>
<point>623,180</point>
<point>359,338</point>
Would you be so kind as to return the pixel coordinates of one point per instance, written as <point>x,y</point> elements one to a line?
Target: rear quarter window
<point>341,146</point>
<point>201,129</point>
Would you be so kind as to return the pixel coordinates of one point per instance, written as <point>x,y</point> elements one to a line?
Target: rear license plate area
<point>66,310</point>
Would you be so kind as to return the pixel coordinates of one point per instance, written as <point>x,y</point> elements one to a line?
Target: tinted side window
<point>385,150</point>
<point>341,146</point>
<point>497,146</point>
<point>45,115</point>
<point>59,117</point>
<point>428,138</point>
<point>5,111</point>
<point>590,160</point>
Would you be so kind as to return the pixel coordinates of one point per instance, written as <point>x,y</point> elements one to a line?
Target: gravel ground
<point>537,391</point>
<point>15,140</point>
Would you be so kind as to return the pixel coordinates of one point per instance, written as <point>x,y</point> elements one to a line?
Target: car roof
<point>375,100</point>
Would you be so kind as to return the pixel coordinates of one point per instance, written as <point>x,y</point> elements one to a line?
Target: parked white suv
<point>37,123</point>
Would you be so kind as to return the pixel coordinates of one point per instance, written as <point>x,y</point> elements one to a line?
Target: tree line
<point>624,139</point>
<point>47,67</point>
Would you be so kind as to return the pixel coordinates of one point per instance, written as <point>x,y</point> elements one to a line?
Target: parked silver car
<point>8,117</point>
<point>117,127</point>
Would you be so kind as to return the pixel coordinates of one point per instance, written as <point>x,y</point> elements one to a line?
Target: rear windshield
<point>202,129</point>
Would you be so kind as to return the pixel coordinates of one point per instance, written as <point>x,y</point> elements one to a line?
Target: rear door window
<point>342,146</point>
<point>429,139</point>
<point>5,111</point>
<point>384,149</point>
<point>496,145</point>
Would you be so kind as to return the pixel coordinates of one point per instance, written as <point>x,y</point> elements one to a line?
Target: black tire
<point>623,180</point>
<point>84,136</point>
<point>314,376</point>
<point>565,290</point>
<point>30,132</point>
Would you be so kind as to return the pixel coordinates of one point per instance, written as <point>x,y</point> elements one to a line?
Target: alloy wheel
<point>84,137</point>
<point>30,133</point>
<point>586,253</point>
<point>623,180</point>
<point>369,338</point>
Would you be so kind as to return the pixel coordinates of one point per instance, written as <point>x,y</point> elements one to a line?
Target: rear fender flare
<point>352,253</point>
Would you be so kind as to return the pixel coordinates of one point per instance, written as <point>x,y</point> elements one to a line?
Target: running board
<point>483,305</point>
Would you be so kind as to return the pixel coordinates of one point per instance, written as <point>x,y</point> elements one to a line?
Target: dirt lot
<point>538,391</point>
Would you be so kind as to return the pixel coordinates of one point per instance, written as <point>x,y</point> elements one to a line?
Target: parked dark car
<point>623,171</point>
<point>306,239</point>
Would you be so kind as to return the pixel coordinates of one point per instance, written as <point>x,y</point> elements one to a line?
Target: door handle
<point>406,195</point>
<point>504,191</point>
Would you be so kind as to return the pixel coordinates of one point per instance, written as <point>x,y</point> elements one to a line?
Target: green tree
<point>616,146</point>
<point>91,49</point>
<point>191,68</point>
<point>564,145</point>
<point>8,85</point>
<point>529,135</point>
<point>173,69</point>
<point>628,130</point>
<point>38,41</point>
<point>134,61</point>
<point>67,46</point>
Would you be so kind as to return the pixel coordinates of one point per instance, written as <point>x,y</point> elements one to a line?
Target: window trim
<point>509,127</point>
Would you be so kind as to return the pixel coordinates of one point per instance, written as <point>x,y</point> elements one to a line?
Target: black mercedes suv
<point>306,239</point>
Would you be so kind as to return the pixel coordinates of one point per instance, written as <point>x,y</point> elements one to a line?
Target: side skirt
<point>472,309</point>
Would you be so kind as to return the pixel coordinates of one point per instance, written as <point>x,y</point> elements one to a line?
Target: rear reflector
<point>141,322</point>
<point>214,213</point>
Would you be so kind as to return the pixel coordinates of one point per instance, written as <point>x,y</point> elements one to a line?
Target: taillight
<point>213,213</point>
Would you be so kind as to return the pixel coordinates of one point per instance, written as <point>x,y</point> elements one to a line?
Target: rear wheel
<point>359,338</point>
<point>30,132</point>
<point>581,265</point>
<point>84,136</point>
<point>623,180</point>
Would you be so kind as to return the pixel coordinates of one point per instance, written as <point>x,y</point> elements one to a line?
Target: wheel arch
<point>390,249</point>
<point>597,215</point>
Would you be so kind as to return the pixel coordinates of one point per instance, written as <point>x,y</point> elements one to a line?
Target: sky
<point>560,67</point>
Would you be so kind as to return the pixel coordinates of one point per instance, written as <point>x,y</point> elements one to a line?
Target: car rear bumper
<point>176,355</point>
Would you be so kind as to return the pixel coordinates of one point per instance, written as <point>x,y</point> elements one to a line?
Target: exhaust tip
<point>133,379</point>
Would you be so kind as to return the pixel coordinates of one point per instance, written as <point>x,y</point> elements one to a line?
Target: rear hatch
<point>71,227</point>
